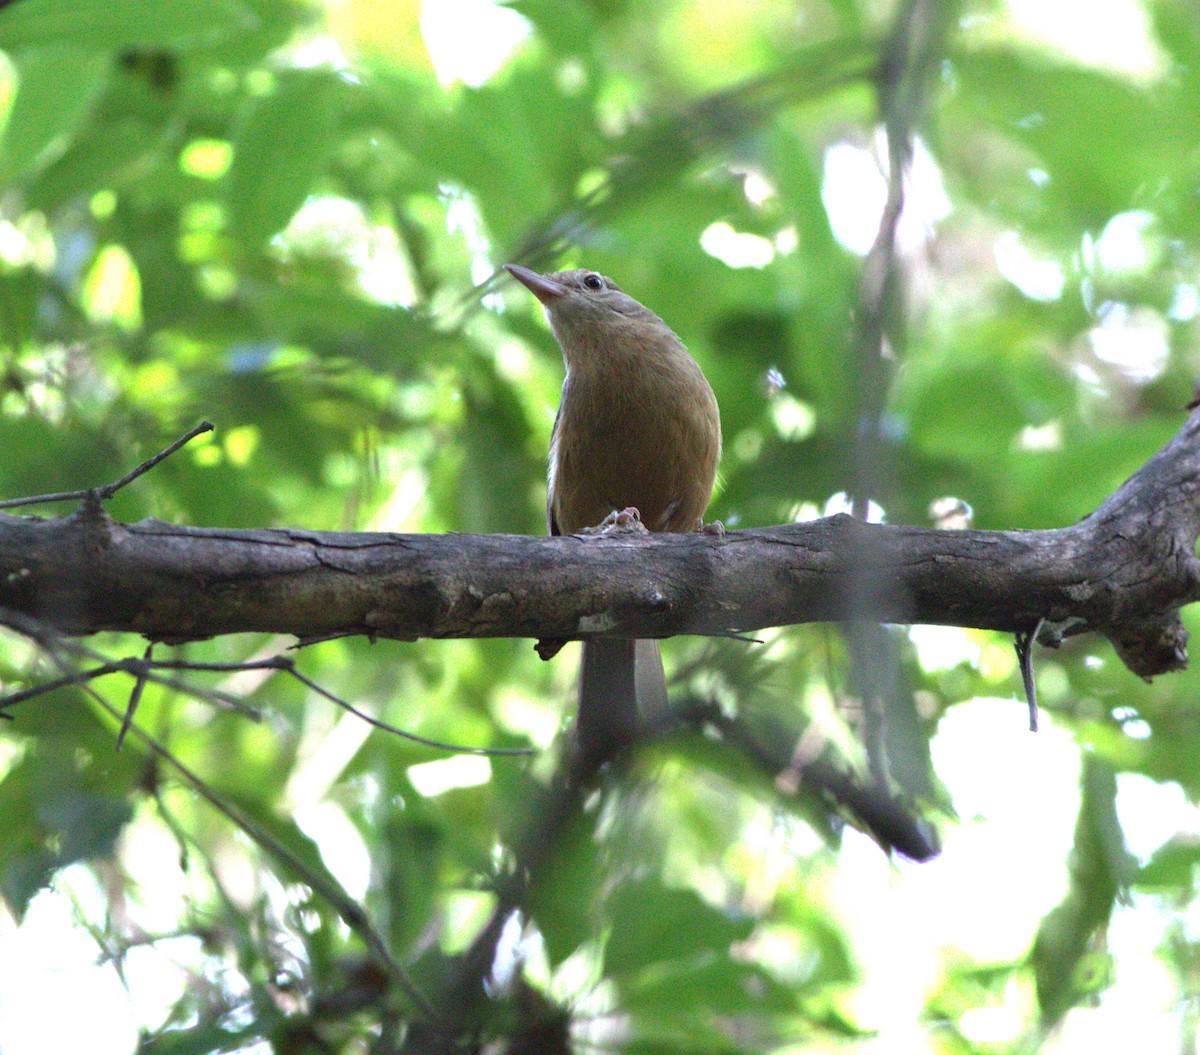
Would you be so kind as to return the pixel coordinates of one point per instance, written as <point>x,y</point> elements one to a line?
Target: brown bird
<point>637,426</point>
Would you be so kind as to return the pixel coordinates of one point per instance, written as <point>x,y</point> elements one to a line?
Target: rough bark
<point>1123,572</point>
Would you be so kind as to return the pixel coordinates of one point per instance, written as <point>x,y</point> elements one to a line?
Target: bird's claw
<point>618,522</point>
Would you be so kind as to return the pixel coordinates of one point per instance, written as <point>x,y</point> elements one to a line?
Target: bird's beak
<point>545,289</point>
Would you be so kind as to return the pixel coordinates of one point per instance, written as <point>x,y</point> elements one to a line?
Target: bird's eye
<point>593,281</point>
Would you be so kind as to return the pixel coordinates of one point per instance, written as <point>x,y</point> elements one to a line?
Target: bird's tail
<point>622,690</point>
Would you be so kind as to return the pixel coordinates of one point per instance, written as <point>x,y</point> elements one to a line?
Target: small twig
<point>350,911</point>
<point>1025,640</point>
<point>287,665</point>
<point>333,635</point>
<point>135,668</point>
<point>145,669</point>
<point>135,697</point>
<point>378,724</point>
<point>325,886</point>
<point>78,678</point>
<point>108,490</point>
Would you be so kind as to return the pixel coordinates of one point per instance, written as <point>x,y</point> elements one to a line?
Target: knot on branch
<point>1151,648</point>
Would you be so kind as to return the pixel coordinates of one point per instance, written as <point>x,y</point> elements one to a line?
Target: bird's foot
<point>715,529</point>
<point>618,522</point>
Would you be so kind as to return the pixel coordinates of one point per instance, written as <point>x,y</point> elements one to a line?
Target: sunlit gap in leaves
<point>11,753</point>
<point>574,982</point>
<point>1048,437</point>
<point>112,290</point>
<point>343,850</point>
<point>854,190</point>
<point>469,40</point>
<point>42,394</point>
<point>1005,824</point>
<point>28,242</point>
<point>1133,341</point>
<point>1039,279</point>
<point>738,249</point>
<point>334,229</point>
<point>445,774</point>
<point>463,218</point>
<point>1107,34</point>
<point>735,249</point>
<point>50,955</point>
<point>906,921</point>
<point>841,502</point>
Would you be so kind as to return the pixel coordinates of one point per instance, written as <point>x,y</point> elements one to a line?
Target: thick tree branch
<point>1123,572</point>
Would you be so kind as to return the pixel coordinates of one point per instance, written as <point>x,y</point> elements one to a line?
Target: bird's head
<point>585,308</point>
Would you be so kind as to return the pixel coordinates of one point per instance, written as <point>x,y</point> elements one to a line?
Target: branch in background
<point>793,764</point>
<point>663,149</point>
<point>903,84</point>
<point>911,51</point>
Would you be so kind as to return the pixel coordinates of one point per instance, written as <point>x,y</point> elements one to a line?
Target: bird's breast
<point>646,435</point>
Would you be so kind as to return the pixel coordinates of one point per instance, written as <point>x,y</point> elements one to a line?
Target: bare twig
<point>49,639</point>
<point>108,490</point>
<point>77,678</point>
<point>323,885</point>
<point>1026,639</point>
<point>902,85</point>
<point>146,669</point>
<point>135,697</point>
<point>285,663</point>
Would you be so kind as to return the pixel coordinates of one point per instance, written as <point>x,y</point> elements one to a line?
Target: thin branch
<point>108,490</point>
<point>48,638</point>
<point>664,147</point>
<point>287,665</point>
<point>1025,640</point>
<point>135,697</point>
<point>902,85</point>
<point>326,887</point>
<point>144,670</point>
<point>34,691</point>
<point>378,724</point>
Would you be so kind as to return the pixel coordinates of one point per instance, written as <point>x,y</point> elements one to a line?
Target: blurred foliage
<point>277,216</point>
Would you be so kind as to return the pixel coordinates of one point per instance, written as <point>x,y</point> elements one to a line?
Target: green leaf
<point>652,924</point>
<point>203,1039</point>
<point>1101,140</point>
<point>101,25</point>
<point>280,148</point>
<point>1067,964</point>
<point>57,89</point>
<point>1172,868</point>
<point>723,987</point>
<point>563,900</point>
<point>65,801</point>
